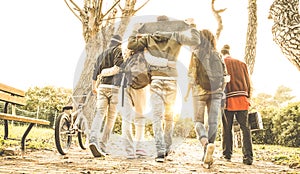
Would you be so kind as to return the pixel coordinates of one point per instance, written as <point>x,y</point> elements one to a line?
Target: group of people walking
<point>161,50</point>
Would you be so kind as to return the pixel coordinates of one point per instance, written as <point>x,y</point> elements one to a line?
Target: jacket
<point>164,45</point>
<point>107,59</point>
<point>240,84</point>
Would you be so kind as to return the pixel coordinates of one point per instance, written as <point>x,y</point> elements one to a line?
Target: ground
<point>185,159</point>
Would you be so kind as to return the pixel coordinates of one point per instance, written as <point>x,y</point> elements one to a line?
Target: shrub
<point>286,125</point>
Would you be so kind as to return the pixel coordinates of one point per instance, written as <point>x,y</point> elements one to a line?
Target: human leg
<point>213,108</point>
<point>227,121</point>
<point>157,105</point>
<point>139,100</point>
<point>199,104</point>
<point>170,88</point>
<point>126,112</point>
<point>101,109</point>
<point>111,116</point>
<point>242,118</point>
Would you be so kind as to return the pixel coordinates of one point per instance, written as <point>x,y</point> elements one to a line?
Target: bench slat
<point>12,99</point>
<point>11,90</point>
<point>23,119</point>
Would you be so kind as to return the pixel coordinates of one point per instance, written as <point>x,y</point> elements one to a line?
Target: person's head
<point>115,40</point>
<point>208,40</point>
<point>225,50</point>
<point>162,18</point>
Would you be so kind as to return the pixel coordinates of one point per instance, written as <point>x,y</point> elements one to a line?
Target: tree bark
<point>251,39</point>
<point>98,28</point>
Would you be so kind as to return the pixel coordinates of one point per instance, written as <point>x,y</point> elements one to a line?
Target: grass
<point>38,137</point>
<point>278,154</point>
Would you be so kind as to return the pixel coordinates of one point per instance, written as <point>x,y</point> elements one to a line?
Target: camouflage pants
<point>163,97</point>
<point>107,99</point>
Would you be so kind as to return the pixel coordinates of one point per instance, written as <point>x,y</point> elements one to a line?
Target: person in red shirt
<point>238,93</point>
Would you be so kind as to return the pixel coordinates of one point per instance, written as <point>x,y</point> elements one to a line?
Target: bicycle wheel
<point>83,133</point>
<point>63,137</point>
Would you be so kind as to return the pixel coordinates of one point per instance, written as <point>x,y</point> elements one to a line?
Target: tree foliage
<point>286,125</point>
<point>46,101</point>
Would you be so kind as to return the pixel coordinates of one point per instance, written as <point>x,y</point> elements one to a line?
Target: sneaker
<point>94,147</point>
<point>208,156</point>
<point>226,158</point>
<point>160,159</point>
<point>130,156</point>
<point>247,161</point>
<point>168,152</point>
<point>141,152</point>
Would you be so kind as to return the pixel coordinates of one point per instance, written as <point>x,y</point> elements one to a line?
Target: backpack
<point>137,71</point>
<point>210,71</point>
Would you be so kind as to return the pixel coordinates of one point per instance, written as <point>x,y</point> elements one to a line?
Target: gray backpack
<point>137,72</point>
<point>210,71</point>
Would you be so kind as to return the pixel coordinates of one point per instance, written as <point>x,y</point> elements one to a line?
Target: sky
<point>41,41</point>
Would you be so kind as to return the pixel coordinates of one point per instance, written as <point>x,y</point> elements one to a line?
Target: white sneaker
<point>94,147</point>
<point>130,156</point>
<point>141,152</point>
<point>208,156</point>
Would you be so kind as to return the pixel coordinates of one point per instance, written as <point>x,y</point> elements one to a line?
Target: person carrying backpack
<point>135,79</point>
<point>207,74</point>
<point>105,85</point>
<point>163,85</point>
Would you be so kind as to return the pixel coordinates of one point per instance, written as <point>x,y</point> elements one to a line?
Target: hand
<point>171,64</point>
<point>94,91</point>
<point>189,21</point>
<point>161,34</point>
<point>137,26</point>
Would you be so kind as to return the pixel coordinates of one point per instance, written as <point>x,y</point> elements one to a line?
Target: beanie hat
<point>226,47</point>
<point>116,38</point>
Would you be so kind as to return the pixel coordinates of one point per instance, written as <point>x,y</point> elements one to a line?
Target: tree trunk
<point>251,39</point>
<point>97,31</point>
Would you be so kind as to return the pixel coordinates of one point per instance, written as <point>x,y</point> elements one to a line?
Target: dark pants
<point>242,119</point>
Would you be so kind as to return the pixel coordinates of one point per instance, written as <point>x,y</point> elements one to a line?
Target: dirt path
<point>186,159</point>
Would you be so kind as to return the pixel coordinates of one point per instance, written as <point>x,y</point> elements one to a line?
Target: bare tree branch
<point>141,6</point>
<point>218,18</point>
<point>76,8</point>
<point>112,7</point>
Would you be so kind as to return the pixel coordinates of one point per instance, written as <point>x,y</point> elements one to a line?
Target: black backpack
<point>137,71</point>
<point>210,71</point>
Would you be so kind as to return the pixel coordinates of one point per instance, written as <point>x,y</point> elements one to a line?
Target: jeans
<point>107,99</point>
<point>163,97</point>
<point>213,104</point>
<point>132,111</point>
<point>242,119</point>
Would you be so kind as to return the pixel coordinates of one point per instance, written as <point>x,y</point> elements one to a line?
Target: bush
<point>287,125</point>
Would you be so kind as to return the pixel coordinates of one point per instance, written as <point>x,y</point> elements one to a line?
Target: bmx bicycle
<point>70,124</point>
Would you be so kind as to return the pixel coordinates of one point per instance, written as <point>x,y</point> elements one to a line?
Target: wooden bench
<point>14,97</point>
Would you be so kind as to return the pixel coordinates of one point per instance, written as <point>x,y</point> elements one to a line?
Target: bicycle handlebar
<point>87,96</point>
